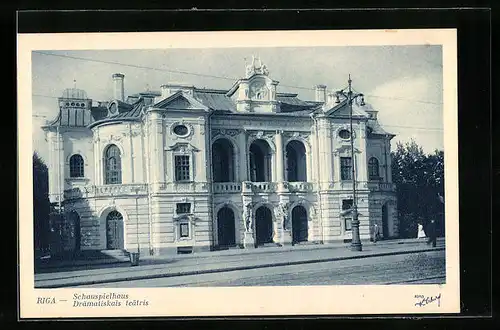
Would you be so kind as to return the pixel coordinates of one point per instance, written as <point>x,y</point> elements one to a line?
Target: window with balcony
<point>113,167</point>
<point>223,160</point>
<point>345,168</point>
<point>76,164</point>
<point>182,172</point>
<point>373,169</point>
<point>260,161</point>
<point>296,162</point>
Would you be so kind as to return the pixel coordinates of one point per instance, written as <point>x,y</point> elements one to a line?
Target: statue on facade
<point>256,67</point>
<point>281,213</point>
<point>247,215</point>
<point>264,70</point>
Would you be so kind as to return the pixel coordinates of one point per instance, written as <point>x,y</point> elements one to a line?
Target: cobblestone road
<point>416,268</point>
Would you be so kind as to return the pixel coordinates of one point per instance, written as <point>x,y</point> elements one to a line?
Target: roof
<point>72,117</point>
<point>218,100</point>
<point>377,129</point>
<point>215,100</point>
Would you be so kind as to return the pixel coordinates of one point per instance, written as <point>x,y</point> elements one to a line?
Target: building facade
<point>189,169</point>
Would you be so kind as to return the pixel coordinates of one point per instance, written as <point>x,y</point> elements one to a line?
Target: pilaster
<point>279,175</point>
<point>325,136</point>
<point>242,147</point>
<point>361,161</point>
<point>157,150</point>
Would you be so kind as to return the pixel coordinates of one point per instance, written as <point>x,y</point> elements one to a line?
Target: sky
<point>403,83</point>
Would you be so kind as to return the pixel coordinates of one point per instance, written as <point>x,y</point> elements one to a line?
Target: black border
<point>474,112</point>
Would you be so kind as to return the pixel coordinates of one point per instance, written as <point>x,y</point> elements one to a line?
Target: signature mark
<point>425,300</point>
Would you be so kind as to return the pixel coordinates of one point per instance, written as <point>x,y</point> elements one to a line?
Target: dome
<point>74,93</point>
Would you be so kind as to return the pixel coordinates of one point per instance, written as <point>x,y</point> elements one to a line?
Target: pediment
<point>183,147</point>
<point>180,101</point>
<point>342,110</point>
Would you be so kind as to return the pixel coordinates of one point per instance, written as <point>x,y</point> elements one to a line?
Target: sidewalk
<point>228,260</point>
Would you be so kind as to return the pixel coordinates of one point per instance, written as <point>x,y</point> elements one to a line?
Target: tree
<point>419,180</point>
<point>41,205</point>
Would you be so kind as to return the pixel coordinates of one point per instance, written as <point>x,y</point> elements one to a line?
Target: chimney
<point>320,93</point>
<point>118,89</point>
<point>332,98</point>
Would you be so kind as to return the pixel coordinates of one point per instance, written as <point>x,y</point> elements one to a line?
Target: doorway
<point>263,226</point>
<point>226,228</point>
<point>299,224</point>
<point>114,231</point>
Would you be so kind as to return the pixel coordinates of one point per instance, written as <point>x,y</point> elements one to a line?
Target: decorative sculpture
<point>281,212</point>
<point>248,216</point>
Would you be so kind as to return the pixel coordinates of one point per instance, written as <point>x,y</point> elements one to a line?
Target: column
<point>51,137</point>
<point>361,161</point>
<point>97,157</point>
<point>326,167</point>
<point>157,152</point>
<point>280,177</point>
<point>132,155</point>
<point>388,160</point>
<point>61,164</point>
<point>242,146</point>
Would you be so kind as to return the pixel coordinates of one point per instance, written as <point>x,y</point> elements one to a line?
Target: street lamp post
<point>355,241</point>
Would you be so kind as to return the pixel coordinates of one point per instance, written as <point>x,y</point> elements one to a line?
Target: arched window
<point>76,166</point>
<point>113,165</point>
<point>373,169</point>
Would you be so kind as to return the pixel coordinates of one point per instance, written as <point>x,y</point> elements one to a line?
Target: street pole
<point>355,241</point>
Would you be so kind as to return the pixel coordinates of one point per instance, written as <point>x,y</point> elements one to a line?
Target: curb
<point>236,268</point>
<point>98,262</point>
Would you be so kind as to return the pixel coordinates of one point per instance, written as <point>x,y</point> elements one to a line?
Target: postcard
<point>243,173</point>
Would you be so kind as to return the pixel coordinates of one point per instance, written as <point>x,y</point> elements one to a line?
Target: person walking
<point>376,233</point>
<point>431,233</point>
<point>421,232</point>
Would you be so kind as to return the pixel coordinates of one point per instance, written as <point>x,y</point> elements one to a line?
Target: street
<point>413,268</point>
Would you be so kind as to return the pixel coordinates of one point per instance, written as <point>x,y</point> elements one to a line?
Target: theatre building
<point>186,169</point>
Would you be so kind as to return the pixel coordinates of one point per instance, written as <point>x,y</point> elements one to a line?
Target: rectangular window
<point>183,208</point>
<point>347,224</point>
<point>345,168</point>
<point>184,230</point>
<point>346,204</point>
<point>182,168</point>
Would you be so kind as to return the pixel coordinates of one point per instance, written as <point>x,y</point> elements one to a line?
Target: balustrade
<point>226,187</point>
<point>300,186</point>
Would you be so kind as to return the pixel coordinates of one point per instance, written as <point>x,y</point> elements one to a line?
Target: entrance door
<point>385,222</point>
<point>225,227</point>
<point>114,231</point>
<point>263,226</point>
<point>299,224</point>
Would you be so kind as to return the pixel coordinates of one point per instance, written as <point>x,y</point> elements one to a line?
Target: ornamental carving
<point>228,132</point>
<point>259,90</point>
<point>261,134</point>
<point>256,67</point>
<point>182,147</point>
<point>187,135</point>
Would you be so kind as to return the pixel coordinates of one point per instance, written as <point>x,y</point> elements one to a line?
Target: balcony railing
<point>381,186</point>
<point>226,187</point>
<point>300,186</point>
<point>106,190</point>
